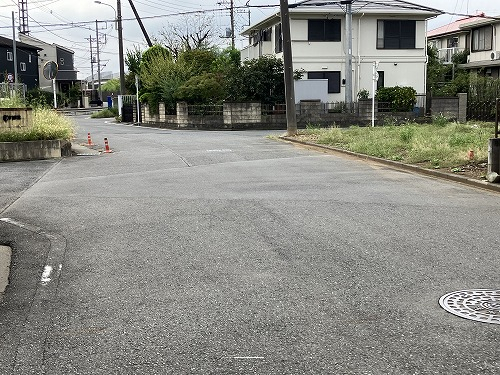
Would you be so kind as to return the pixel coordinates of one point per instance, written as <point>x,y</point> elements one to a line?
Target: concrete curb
<point>82,150</point>
<point>402,166</point>
<point>5,256</point>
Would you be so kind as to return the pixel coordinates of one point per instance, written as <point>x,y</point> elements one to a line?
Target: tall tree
<point>192,32</point>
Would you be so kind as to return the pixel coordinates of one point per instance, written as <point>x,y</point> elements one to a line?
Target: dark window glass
<point>380,82</point>
<point>324,30</point>
<point>396,34</point>
<point>332,77</point>
<point>278,39</point>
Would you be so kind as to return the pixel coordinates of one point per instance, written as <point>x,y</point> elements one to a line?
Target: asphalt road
<point>186,252</point>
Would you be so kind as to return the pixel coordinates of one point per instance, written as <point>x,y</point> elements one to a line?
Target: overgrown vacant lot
<point>438,145</point>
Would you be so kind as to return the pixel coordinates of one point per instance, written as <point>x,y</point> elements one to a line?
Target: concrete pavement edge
<point>5,257</point>
<point>401,166</point>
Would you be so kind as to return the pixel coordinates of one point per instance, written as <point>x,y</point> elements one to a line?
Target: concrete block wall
<point>242,113</point>
<point>16,118</point>
<point>446,106</point>
<point>33,150</point>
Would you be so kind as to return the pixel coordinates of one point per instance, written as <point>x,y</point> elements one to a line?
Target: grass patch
<point>433,145</point>
<point>106,113</point>
<point>47,125</point>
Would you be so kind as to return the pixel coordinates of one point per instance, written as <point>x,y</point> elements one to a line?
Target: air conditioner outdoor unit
<point>495,55</point>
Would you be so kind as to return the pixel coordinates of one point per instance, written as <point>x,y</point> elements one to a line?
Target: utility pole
<point>98,60</point>
<point>144,32</point>
<point>348,54</point>
<point>23,17</point>
<point>14,47</point>
<point>92,67</point>
<point>291,120</point>
<point>232,23</point>
<point>120,47</point>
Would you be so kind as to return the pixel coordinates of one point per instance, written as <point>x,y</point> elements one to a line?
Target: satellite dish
<point>50,70</point>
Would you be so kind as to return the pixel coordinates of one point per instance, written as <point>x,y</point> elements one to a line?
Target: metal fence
<point>8,90</point>
<point>481,110</point>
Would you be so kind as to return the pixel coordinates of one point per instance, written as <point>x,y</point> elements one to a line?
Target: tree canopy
<point>206,76</point>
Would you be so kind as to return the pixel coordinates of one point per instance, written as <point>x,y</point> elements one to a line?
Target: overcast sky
<point>51,21</point>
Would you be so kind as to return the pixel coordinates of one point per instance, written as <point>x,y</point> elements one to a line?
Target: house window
<point>10,56</point>
<point>482,39</point>
<point>278,39</point>
<point>452,42</point>
<point>22,66</point>
<point>266,35</point>
<point>380,81</point>
<point>324,30</point>
<point>398,34</point>
<point>332,77</point>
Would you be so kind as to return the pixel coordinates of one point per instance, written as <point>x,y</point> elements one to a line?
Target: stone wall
<point>16,118</point>
<point>239,116</point>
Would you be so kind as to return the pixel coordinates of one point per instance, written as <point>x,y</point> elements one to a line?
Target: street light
<point>111,6</point>
<point>118,19</point>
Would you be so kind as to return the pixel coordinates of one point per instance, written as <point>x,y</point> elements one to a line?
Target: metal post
<point>120,47</point>
<point>14,48</point>
<point>348,54</point>
<point>137,99</point>
<point>497,108</point>
<point>54,91</point>
<point>291,120</point>
<point>98,60</point>
<point>374,81</point>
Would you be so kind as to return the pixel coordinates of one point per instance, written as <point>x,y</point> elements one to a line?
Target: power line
<point>83,23</point>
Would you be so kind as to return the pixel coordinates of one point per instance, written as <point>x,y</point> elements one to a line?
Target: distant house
<point>64,57</point>
<point>27,62</point>
<point>478,36</point>
<point>392,33</point>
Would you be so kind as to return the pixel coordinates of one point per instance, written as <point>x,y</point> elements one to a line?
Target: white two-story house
<point>391,33</point>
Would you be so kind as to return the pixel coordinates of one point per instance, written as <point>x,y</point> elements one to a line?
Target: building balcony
<point>446,54</point>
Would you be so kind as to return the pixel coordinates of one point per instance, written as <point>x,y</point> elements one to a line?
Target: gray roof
<point>384,7</point>
<point>359,6</point>
<point>8,43</point>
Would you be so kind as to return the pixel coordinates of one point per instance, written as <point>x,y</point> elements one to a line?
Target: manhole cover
<point>482,305</point>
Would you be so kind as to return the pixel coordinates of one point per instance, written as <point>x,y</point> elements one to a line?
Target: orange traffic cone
<point>89,140</point>
<point>106,146</point>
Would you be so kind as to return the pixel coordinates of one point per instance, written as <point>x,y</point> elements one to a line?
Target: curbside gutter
<point>402,166</point>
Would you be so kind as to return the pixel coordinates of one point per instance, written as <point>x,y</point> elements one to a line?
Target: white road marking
<point>47,271</point>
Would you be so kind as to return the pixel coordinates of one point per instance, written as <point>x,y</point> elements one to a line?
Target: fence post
<point>462,107</point>
<point>161,111</point>
<point>182,114</point>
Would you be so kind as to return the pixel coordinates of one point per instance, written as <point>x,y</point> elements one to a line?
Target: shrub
<point>106,113</point>
<point>363,94</point>
<point>402,99</point>
<point>47,125</point>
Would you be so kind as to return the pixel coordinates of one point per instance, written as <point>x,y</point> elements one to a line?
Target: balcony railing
<point>446,54</point>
